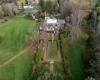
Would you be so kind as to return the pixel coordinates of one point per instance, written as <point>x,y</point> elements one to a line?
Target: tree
<point>41,3</point>
<point>9,9</point>
<point>94,19</point>
<point>74,15</point>
<point>48,6</point>
<point>48,76</point>
<point>26,1</point>
<point>22,5</point>
<point>1,13</point>
<point>94,64</point>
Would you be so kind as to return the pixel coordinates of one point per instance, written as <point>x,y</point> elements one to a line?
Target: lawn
<point>74,53</point>
<point>75,58</point>
<point>13,34</point>
<point>12,41</point>
<point>52,52</point>
<point>19,69</point>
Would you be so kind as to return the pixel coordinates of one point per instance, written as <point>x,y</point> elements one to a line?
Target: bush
<point>20,11</point>
<point>98,19</point>
<point>59,16</point>
<point>29,17</point>
<point>64,32</point>
<point>40,16</point>
<point>38,56</point>
<point>97,7</point>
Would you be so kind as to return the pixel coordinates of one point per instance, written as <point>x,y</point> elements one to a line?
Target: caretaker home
<point>52,24</point>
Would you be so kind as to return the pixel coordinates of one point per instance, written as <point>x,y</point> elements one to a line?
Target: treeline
<point>7,1</point>
<point>63,35</point>
<point>69,51</point>
<point>93,64</point>
<point>49,6</point>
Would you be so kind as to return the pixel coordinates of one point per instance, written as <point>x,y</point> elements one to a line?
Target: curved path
<point>13,58</point>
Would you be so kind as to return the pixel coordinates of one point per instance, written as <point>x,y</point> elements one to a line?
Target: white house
<point>28,6</point>
<point>51,21</point>
<point>52,25</point>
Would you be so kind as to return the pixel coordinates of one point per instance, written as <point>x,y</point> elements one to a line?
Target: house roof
<point>24,13</point>
<point>27,5</point>
<point>51,21</point>
<point>61,21</point>
<point>34,12</point>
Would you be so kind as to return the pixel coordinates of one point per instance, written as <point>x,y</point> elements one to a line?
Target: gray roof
<point>61,21</point>
<point>47,15</point>
<point>24,13</point>
<point>31,12</point>
<point>34,12</point>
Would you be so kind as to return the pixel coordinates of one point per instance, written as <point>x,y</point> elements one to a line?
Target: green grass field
<point>12,36</point>
<point>75,57</point>
<point>19,69</point>
<point>52,53</point>
<point>75,53</point>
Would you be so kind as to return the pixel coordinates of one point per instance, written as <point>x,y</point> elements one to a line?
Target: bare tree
<point>9,9</point>
<point>74,14</point>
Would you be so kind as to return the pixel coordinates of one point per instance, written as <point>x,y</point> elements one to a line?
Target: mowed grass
<point>12,35</point>
<point>19,69</point>
<point>52,52</point>
<point>75,53</point>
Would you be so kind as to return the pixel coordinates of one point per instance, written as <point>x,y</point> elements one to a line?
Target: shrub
<point>38,56</point>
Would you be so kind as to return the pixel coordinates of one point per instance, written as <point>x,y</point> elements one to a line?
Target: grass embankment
<point>74,54</point>
<point>12,41</point>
